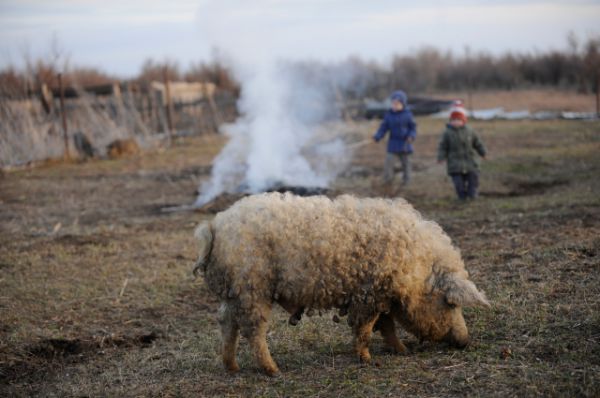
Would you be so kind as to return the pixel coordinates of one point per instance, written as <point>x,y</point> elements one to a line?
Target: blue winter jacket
<point>401,126</point>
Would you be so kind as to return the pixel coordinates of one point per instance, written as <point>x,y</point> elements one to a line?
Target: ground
<point>97,296</point>
<point>534,100</point>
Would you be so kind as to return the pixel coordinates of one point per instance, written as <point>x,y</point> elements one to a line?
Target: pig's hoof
<point>272,372</point>
<point>232,368</point>
<point>365,358</point>
<point>400,349</point>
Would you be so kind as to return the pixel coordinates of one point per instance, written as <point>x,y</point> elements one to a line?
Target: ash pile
<point>226,199</point>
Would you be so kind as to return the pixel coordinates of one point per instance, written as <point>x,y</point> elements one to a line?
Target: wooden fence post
<point>63,114</point>
<point>598,93</point>
<point>154,111</point>
<point>215,116</point>
<point>46,98</point>
<point>168,103</point>
<point>117,101</point>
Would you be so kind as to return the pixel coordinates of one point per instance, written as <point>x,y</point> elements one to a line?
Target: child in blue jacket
<point>403,130</point>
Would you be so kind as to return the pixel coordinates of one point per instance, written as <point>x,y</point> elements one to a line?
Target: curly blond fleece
<point>375,259</point>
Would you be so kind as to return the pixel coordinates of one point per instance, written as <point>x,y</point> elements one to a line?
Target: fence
<point>49,123</point>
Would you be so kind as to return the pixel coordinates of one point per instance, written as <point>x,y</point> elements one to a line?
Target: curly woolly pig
<point>376,260</point>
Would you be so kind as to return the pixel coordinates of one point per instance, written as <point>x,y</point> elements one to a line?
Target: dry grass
<point>97,299</point>
<point>533,100</point>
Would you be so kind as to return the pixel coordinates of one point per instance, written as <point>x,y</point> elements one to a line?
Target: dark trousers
<point>466,184</point>
<point>388,167</point>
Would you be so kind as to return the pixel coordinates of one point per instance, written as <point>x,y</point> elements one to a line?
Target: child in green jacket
<point>459,147</point>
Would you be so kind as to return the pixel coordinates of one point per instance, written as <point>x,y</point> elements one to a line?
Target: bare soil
<point>97,297</point>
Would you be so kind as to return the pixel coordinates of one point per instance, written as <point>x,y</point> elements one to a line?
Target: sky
<point>118,36</point>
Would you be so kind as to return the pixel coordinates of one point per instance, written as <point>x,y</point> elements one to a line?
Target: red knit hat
<point>458,115</point>
<point>458,111</point>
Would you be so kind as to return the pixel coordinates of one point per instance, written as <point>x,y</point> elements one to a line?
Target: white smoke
<point>280,107</point>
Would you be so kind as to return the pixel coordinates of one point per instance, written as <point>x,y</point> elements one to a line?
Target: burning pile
<point>267,146</point>
<point>225,200</point>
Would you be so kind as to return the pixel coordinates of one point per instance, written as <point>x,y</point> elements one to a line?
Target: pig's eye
<point>451,305</point>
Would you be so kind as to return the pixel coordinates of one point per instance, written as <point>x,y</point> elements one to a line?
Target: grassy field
<point>97,296</point>
<point>533,100</point>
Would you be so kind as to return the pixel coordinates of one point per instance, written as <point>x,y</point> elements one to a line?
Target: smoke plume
<point>274,140</point>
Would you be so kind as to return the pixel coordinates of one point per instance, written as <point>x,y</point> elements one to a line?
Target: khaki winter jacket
<point>458,147</point>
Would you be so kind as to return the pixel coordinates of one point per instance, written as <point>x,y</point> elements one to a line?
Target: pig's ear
<point>462,292</point>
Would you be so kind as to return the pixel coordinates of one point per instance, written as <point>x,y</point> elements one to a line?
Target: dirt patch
<point>53,349</point>
<point>527,188</point>
<point>524,188</point>
<point>47,355</point>
<point>59,348</point>
<point>83,240</point>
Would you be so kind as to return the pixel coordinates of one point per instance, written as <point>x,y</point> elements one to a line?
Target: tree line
<point>427,70</point>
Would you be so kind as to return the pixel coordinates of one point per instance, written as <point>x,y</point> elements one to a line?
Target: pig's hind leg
<point>230,336</point>
<point>255,329</point>
<point>385,325</point>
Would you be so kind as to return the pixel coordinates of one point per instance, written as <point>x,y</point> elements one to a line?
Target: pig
<point>375,260</point>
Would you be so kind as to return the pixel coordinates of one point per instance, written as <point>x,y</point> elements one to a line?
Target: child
<point>403,130</point>
<point>458,146</point>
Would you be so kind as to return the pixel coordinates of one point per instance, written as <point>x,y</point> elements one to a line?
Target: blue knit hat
<point>399,96</point>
